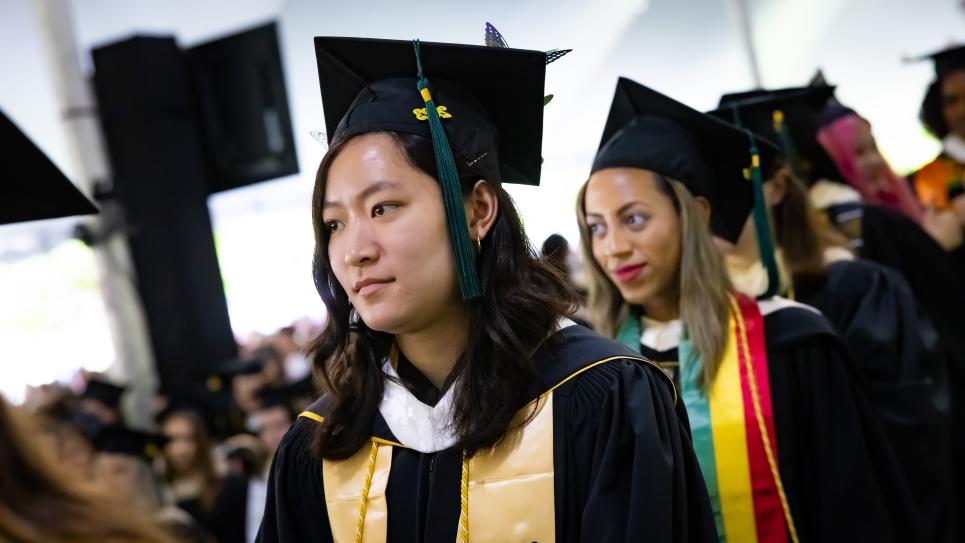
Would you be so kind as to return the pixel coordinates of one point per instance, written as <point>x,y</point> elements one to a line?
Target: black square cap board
<point>649,130</point>
<point>490,99</point>
<point>33,187</point>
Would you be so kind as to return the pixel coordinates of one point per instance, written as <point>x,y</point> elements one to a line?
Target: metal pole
<point>135,360</point>
<point>747,38</point>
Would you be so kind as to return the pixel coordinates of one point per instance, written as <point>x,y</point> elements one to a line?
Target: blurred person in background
<point>102,399</point>
<point>242,503</point>
<point>191,481</point>
<point>68,433</point>
<point>939,183</point>
<point>848,139</point>
<point>557,253</point>
<point>124,463</point>
<point>272,364</point>
<point>297,366</point>
<point>241,379</point>
<point>42,501</point>
<point>245,455</point>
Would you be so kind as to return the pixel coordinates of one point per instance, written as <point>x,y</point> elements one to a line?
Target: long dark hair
<point>801,234</point>
<point>520,304</point>
<point>932,113</point>
<point>203,459</point>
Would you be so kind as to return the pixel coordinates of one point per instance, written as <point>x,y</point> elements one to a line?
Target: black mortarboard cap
<point>832,112</point>
<point>493,97</point>
<point>798,108</point>
<point>33,187</point>
<point>119,439</point>
<point>275,396</point>
<point>240,366</point>
<point>88,425</point>
<point>651,131</point>
<point>947,60</point>
<point>107,393</point>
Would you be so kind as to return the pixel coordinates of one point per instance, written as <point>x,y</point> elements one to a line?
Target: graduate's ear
<point>482,207</point>
<point>703,208</point>
<point>776,186</point>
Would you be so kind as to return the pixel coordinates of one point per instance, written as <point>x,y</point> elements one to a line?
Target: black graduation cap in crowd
<point>105,392</point>
<point>218,379</point>
<point>789,116</point>
<point>833,112</point>
<point>275,396</point>
<point>33,187</point>
<point>946,60</point>
<point>240,366</point>
<point>119,439</point>
<point>88,425</point>
<point>651,131</point>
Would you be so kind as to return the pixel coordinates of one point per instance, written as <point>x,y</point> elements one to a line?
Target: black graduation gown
<point>623,463</point>
<point>231,510</point>
<point>938,281</point>
<point>936,278</point>
<point>841,479</point>
<point>896,349</point>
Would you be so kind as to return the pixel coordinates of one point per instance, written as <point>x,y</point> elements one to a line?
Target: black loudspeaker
<point>149,113</point>
<point>241,87</point>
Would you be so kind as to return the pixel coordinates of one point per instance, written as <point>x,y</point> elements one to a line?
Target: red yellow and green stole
<point>733,431</point>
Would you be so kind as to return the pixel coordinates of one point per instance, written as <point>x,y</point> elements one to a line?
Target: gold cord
<point>373,455</point>
<point>759,415</point>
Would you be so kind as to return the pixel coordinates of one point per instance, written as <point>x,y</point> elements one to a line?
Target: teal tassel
<point>765,238</point>
<point>787,145</point>
<point>462,249</point>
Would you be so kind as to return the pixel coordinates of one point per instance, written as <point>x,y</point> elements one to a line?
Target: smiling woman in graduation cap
<point>939,183</point>
<point>461,405</point>
<point>786,442</point>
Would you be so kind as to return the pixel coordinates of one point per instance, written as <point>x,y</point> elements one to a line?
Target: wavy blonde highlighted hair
<point>701,281</point>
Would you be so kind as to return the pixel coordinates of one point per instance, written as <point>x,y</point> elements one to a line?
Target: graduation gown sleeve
<point>900,359</point>
<point>624,464</point>
<point>840,476</point>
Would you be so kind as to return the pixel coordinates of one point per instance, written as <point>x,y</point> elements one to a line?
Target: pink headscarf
<point>839,138</point>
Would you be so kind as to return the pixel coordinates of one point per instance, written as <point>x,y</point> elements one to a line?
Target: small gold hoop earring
<point>478,245</point>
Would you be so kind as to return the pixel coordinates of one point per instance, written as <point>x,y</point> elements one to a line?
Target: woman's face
<point>953,102</point>
<point>182,449</point>
<point>388,244</point>
<point>125,476</point>
<point>868,161</point>
<point>635,234</point>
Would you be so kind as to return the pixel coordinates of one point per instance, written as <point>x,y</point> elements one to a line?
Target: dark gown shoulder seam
<point>592,365</point>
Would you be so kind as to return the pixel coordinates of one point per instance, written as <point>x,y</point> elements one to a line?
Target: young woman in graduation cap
<point>939,184</point>
<point>871,307</point>
<point>785,438</point>
<point>460,405</point>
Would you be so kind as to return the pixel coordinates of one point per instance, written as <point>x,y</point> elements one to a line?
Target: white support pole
<point>78,108</point>
<point>746,31</point>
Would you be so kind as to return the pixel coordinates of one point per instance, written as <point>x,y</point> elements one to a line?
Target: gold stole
<point>511,490</point>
